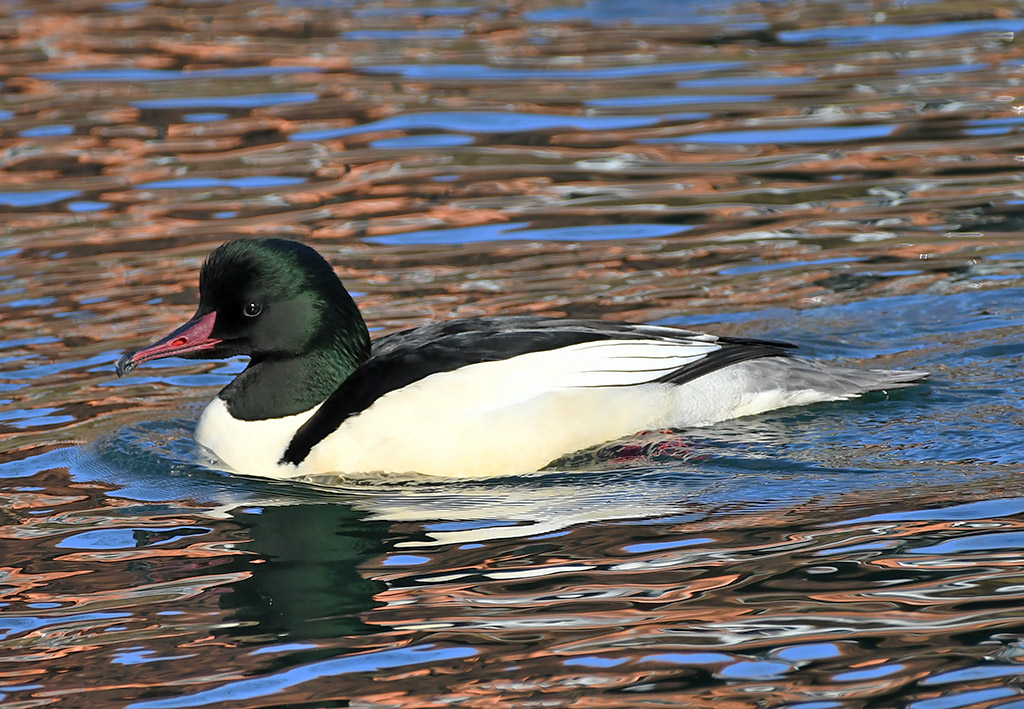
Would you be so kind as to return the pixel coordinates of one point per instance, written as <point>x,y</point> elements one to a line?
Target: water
<point>845,176</point>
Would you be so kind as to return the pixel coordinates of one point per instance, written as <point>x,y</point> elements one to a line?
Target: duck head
<point>269,299</point>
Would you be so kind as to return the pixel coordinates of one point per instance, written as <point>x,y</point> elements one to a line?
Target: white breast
<point>250,447</point>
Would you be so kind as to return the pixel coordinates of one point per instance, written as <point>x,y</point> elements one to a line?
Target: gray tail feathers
<point>831,381</point>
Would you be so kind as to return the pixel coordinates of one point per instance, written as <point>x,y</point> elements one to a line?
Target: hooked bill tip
<point>125,364</point>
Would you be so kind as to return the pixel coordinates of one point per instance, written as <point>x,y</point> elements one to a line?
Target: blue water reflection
<point>204,117</point>
<point>271,684</point>
<point>250,182</point>
<point>243,101</point>
<point>47,131</point>
<point>862,34</point>
<point>806,134</point>
<point>36,198</point>
<point>11,624</point>
<point>481,122</point>
<point>652,12</point>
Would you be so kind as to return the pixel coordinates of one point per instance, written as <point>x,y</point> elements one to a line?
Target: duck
<point>475,397</point>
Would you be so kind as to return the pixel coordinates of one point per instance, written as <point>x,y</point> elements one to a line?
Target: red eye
<point>251,310</point>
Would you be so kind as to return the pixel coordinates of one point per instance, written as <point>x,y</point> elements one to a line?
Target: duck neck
<point>275,387</point>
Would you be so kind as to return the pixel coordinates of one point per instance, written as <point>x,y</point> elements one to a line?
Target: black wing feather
<point>734,350</point>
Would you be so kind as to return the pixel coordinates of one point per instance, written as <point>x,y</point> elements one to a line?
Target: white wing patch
<point>610,362</point>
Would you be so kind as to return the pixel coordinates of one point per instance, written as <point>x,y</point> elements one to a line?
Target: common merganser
<point>466,398</point>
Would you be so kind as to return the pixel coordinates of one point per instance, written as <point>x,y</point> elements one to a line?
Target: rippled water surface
<point>845,176</point>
